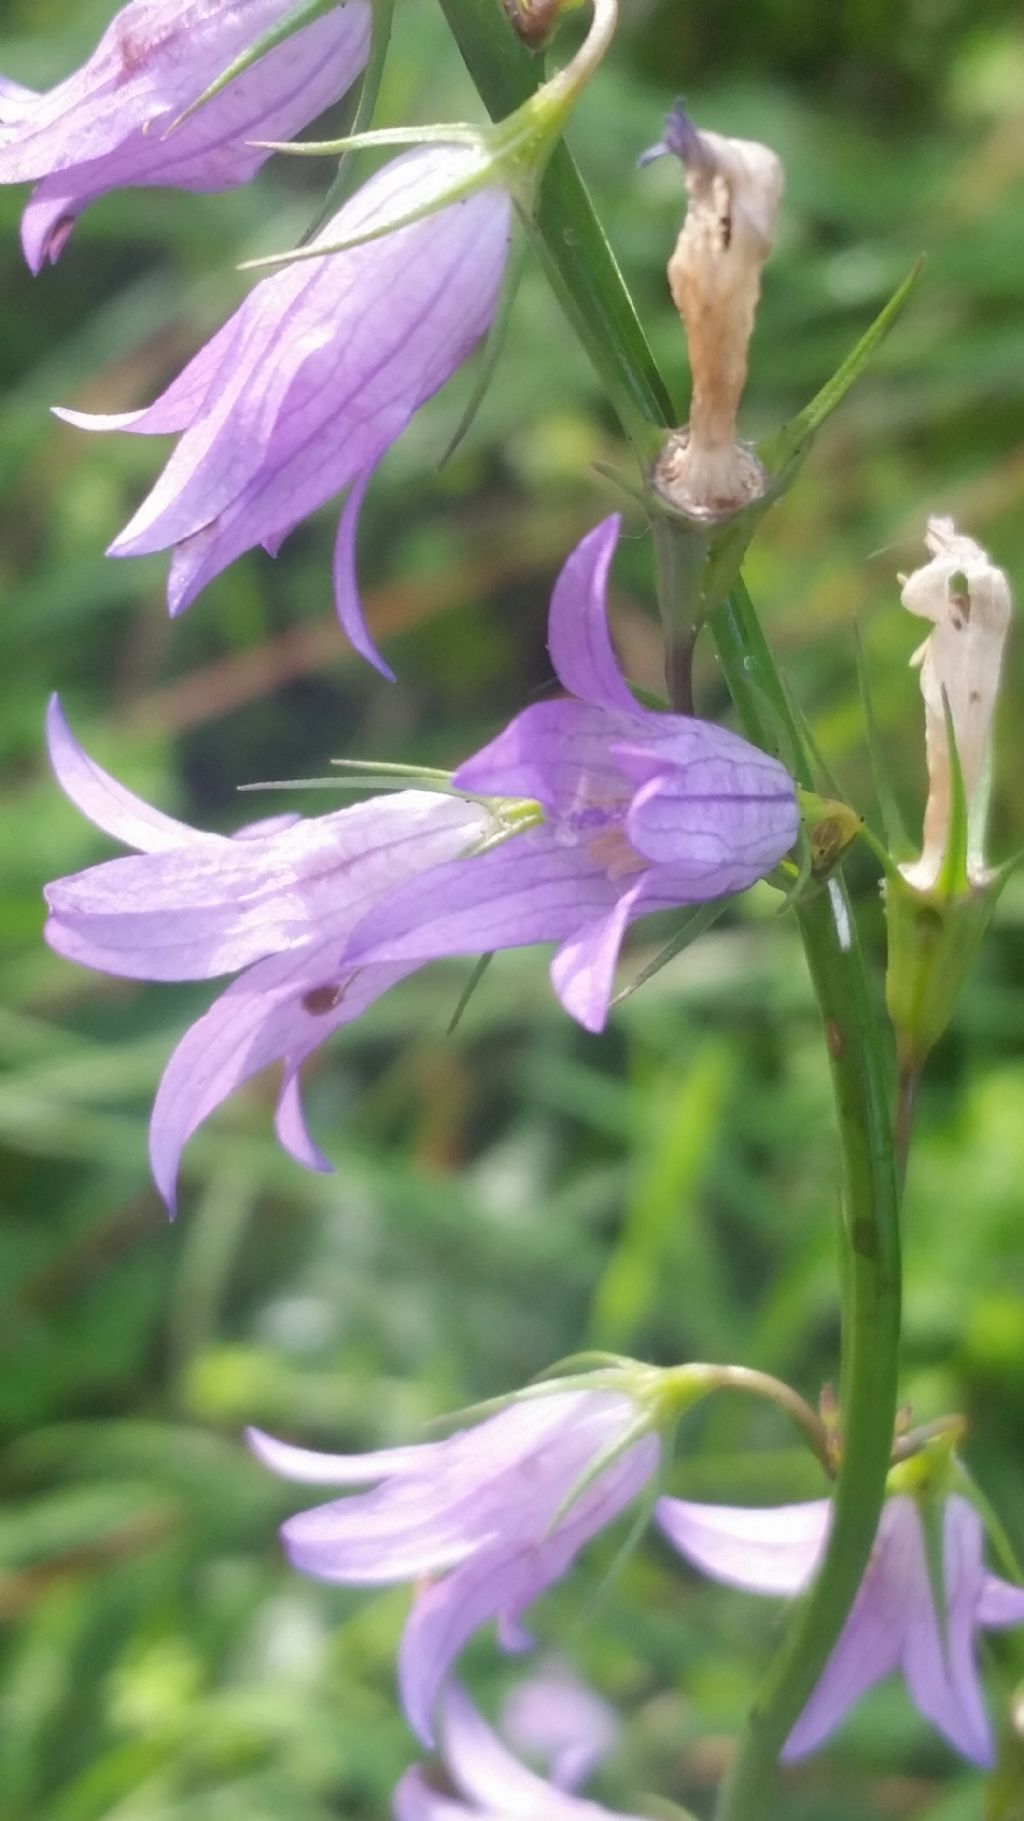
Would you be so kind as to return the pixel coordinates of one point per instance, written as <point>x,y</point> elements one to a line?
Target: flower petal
<point>871,1641</point>
<point>939,1662</point>
<point>311,1467</point>
<point>213,906</point>
<point>583,971</point>
<point>555,1717</point>
<point>346,579</point>
<point>557,753</point>
<point>414,1799</point>
<point>1000,1604</point>
<point>504,1581</point>
<point>484,1770</point>
<point>530,889</point>
<point>774,1550</point>
<point>270,1012</point>
<point>119,812</point>
<point>710,802</point>
<point>578,637</point>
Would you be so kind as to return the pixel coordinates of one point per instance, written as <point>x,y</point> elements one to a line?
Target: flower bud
<point>968,601</point>
<point>734,187</point>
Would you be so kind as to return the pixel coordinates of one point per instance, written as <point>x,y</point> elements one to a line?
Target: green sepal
<point>931,1511</point>
<point>455,192</point>
<point>303,15</point>
<point>479,970</point>
<point>493,346</point>
<point>995,1529</point>
<point>784,451</point>
<point>697,921</point>
<point>932,941</point>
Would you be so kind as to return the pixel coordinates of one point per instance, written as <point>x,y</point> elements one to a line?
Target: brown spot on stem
<point>834,1038</point>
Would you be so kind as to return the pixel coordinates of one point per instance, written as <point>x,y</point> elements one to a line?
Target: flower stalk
<point>591,288</point>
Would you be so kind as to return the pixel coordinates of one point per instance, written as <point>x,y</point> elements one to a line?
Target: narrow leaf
<point>267,41</point>
<point>698,920</point>
<point>468,990</point>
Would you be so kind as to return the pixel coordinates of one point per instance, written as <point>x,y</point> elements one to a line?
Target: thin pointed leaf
<point>789,445</point>
<point>303,15</point>
<point>699,919</point>
<point>477,180</point>
<point>467,992</point>
<point>493,347</point>
<point>894,829</point>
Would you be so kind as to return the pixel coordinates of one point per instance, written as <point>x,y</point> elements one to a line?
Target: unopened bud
<point>968,600</point>
<point>734,187</point>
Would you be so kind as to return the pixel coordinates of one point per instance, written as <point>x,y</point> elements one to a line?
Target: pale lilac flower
<point>106,126</point>
<point>489,1784</point>
<point>278,903</point>
<point>893,1625</point>
<point>641,812</point>
<point>488,1517</point>
<point>303,390</point>
<point>555,1718</point>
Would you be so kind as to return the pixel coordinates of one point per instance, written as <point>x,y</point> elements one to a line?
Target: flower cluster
<point>587,812</point>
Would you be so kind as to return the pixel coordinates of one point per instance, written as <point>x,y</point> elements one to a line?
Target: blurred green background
<point>509,1195</point>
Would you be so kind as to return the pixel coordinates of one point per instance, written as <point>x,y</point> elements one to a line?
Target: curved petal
<point>556,1718</point>
<point>505,1580</point>
<point>414,1799</point>
<point>278,1007</point>
<point>871,1642</point>
<point>939,1661</point>
<point>578,637</point>
<point>311,1467</point>
<point>194,912</point>
<point>775,1550</point>
<point>559,754</point>
<point>725,806</point>
<point>179,403</point>
<point>583,971</point>
<point>290,1128</point>
<point>1000,1604</point>
<point>484,1770</point>
<point>529,889</point>
<point>119,812</point>
<point>346,580</point>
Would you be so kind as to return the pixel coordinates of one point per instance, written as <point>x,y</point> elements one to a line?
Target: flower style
<point>968,600</point>
<point>641,812</point>
<point>277,902</point>
<point>489,1783</point>
<point>893,1624</point>
<point>106,126</point>
<point>734,187</point>
<point>302,391</point>
<point>488,1518</point>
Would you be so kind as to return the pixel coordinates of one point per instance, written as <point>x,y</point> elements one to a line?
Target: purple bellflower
<point>277,902</point>
<point>627,812</point>
<point>106,126</point>
<point>641,812</point>
<point>490,1518</point>
<point>298,396</point>
<point>487,1782</point>
<point>893,1625</point>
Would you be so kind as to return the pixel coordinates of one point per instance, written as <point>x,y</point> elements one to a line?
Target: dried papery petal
<point>968,600</point>
<point>734,187</point>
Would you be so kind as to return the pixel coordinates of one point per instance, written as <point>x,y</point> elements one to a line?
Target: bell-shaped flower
<point>106,127</point>
<point>303,390</point>
<point>482,1522</point>
<point>896,1623</point>
<point>486,1782</point>
<point>277,902</point>
<point>734,187</point>
<point>967,599</point>
<point>638,812</point>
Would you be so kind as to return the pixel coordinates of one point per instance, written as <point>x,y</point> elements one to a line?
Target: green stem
<point>588,283</point>
<point>870,1240</point>
<point>579,263</point>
